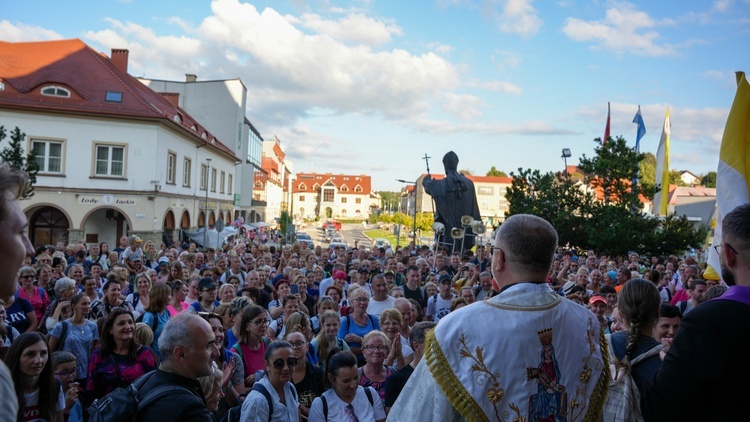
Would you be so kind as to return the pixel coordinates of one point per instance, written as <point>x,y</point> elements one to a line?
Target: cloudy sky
<point>369,87</point>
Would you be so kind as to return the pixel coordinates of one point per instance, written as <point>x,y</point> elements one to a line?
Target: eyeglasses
<point>298,344</point>
<point>26,276</point>
<point>717,248</point>
<point>279,363</point>
<point>209,290</point>
<point>207,315</point>
<point>67,373</point>
<point>261,323</point>
<point>378,348</point>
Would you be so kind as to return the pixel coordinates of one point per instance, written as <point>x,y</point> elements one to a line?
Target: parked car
<point>381,243</point>
<point>339,240</point>
<point>334,245</point>
<point>305,238</point>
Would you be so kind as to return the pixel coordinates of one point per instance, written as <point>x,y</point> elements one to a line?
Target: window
<point>171,167</point>
<point>302,198</point>
<point>55,91</point>
<point>344,188</point>
<point>110,160</point>
<point>328,195</point>
<point>316,186</point>
<point>358,188</point>
<point>2,86</point>
<point>48,155</point>
<point>213,180</point>
<point>221,182</point>
<point>187,166</point>
<point>343,200</point>
<point>302,186</point>
<point>229,188</point>
<point>358,200</point>
<point>113,97</point>
<point>486,190</point>
<point>204,177</point>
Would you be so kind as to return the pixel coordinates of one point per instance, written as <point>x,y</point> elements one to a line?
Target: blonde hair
<point>393,314</point>
<point>357,292</point>
<point>211,383</point>
<point>143,334</point>
<point>376,333</point>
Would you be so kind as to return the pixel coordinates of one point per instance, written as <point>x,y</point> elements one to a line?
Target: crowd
<point>255,333</point>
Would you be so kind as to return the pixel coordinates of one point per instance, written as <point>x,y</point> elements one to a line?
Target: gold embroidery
<point>456,393</point>
<point>517,411</point>
<point>579,400</point>
<point>509,307</point>
<point>596,402</point>
<point>494,393</point>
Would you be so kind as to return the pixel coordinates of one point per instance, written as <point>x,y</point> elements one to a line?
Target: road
<point>353,233</point>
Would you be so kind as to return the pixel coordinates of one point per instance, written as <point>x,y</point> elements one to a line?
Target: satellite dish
<point>219,226</point>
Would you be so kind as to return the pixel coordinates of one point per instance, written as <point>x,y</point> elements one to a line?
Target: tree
<point>609,222</point>
<point>709,180</point>
<point>675,178</point>
<point>465,172</point>
<point>648,169</point>
<point>495,172</point>
<point>13,155</point>
<point>403,219</point>
<point>425,221</point>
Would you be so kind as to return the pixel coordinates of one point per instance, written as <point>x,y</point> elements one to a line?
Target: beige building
<point>333,196</point>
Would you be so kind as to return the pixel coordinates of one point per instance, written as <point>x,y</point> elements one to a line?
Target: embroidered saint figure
<point>549,404</point>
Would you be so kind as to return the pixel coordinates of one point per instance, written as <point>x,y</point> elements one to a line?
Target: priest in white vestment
<point>524,355</point>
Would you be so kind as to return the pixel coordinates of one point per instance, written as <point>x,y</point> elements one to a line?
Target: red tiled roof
<point>480,179</point>
<point>308,180</point>
<point>27,67</point>
<point>675,191</point>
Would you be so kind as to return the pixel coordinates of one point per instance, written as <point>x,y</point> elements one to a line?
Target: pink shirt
<point>39,304</point>
<point>173,311</point>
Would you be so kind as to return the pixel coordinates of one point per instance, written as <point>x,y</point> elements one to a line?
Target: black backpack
<point>123,404</point>
<point>234,413</point>
<point>325,402</point>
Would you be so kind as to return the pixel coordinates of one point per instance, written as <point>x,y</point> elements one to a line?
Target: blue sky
<point>369,87</point>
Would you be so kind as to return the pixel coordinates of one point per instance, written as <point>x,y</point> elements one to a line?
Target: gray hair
<point>528,241</point>
<point>176,333</point>
<point>485,274</point>
<point>64,284</point>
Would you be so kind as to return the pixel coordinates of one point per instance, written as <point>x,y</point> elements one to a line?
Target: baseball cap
<point>134,239</point>
<point>339,275</point>
<point>206,283</point>
<point>445,278</point>
<point>164,260</point>
<point>135,257</point>
<point>597,298</point>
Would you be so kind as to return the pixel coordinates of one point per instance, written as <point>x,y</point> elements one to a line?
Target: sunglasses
<point>67,373</point>
<point>208,315</point>
<point>279,363</point>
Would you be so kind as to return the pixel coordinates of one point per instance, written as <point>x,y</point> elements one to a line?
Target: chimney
<point>120,59</point>
<point>172,97</point>
<point>189,77</point>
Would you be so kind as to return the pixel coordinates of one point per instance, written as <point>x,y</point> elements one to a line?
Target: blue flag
<point>638,119</point>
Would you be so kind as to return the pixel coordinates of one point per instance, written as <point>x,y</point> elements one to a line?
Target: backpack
<point>234,413</point>
<point>623,402</point>
<point>683,307</point>
<point>325,402</point>
<point>123,404</point>
<point>154,323</point>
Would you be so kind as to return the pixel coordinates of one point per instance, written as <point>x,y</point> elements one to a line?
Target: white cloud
<point>440,48</point>
<point>624,29</point>
<point>465,107</point>
<point>356,28</point>
<point>505,59</point>
<point>22,32</point>
<point>496,86</point>
<point>519,17</point>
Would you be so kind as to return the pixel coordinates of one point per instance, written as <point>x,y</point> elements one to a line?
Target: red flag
<point>606,129</point>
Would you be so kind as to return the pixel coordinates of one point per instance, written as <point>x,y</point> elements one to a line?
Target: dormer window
<point>358,188</point>
<point>302,186</point>
<point>113,97</point>
<point>56,91</point>
<point>344,188</point>
<point>2,86</point>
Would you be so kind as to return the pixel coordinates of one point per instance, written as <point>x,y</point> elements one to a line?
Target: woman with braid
<point>638,303</point>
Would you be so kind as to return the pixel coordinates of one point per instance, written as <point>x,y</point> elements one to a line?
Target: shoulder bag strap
<point>325,407</point>
<point>369,396</point>
<point>262,390</point>
<point>647,354</point>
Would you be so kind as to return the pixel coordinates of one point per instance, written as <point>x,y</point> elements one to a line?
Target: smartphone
<point>295,289</point>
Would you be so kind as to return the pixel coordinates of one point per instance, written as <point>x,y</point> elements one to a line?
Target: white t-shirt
<point>437,307</point>
<point>363,410</point>
<point>31,411</point>
<point>377,308</point>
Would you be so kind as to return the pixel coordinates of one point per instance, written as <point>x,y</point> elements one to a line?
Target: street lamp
<point>205,207</point>
<point>565,155</point>
<point>414,230</point>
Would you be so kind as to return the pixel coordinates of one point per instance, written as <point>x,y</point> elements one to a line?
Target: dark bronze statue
<point>454,197</point>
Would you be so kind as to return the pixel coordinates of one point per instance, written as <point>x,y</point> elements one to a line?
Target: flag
<point>734,167</point>
<point>606,128</point>
<point>638,119</point>
<point>661,198</point>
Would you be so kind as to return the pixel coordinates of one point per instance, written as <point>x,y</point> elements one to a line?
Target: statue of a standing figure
<point>454,197</point>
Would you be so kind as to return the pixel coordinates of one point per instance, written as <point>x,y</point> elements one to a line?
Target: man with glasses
<point>707,362</point>
<point>533,351</point>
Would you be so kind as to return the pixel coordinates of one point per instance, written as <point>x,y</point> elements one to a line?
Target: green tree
<point>557,199</point>
<point>495,172</point>
<point>403,219</point>
<point>675,178</point>
<point>648,169</point>
<point>13,155</point>
<point>425,221</point>
<point>615,225</point>
<point>709,180</point>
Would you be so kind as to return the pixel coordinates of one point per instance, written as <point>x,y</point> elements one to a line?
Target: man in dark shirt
<point>188,347</point>
<point>412,289</point>
<point>395,383</point>
<point>707,362</point>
